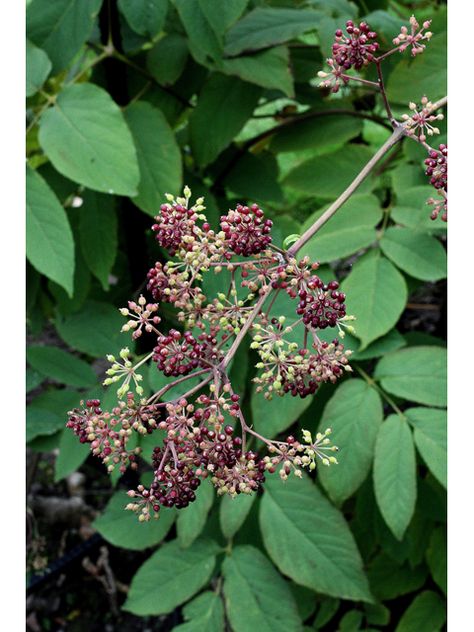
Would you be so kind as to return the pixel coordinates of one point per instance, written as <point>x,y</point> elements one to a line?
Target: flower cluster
<point>246,230</point>
<point>199,441</point>
<point>357,48</point>
<point>419,123</point>
<point>413,38</point>
<point>437,171</point>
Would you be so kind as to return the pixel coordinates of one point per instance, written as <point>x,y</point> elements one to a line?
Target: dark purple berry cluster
<point>322,305</point>
<point>437,167</point>
<point>176,353</point>
<point>357,48</point>
<point>246,230</point>
<point>174,222</point>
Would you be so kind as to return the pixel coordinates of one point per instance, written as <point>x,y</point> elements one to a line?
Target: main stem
<point>396,135</point>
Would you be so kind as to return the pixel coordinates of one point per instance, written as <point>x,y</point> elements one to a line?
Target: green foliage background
<point>221,95</point>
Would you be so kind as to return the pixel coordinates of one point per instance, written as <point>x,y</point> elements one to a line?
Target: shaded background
<point>127,101</point>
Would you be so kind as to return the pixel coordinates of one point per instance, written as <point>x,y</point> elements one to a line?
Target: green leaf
<point>354,413</point>
<point>233,512</point>
<point>98,234</point>
<point>204,44</point>
<point>264,27</point>
<point>431,439</point>
<point>221,15</point>
<point>412,211</point>
<point>40,421</point>
<point>352,228</point>
<point>323,554</point>
<point>436,557</point>
<point>33,379</point>
<point>191,520</point>
<point>241,178</point>
<point>170,577</point>
<point>61,366</point>
<point>273,416</point>
<point>122,528</point>
<point>316,132</point>
<point>390,342</point>
<point>167,59</point>
<point>395,474</point>
<point>158,154</point>
<point>326,611</point>
<point>426,613</point>
<point>205,612</point>
<point>416,373</point>
<point>428,74</point>
<point>94,330</point>
<point>145,17</point>
<point>224,105</point>
<point>256,596</point>
<point>61,27</point>
<point>72,454</point>
<point>420,255</point>
<point>269,69</point>
<point>376,296</point>
<point>327,176</point>
<point>389,580</point>
<point>86,138</point>
<point>38,67</point>
<point>49,240</point>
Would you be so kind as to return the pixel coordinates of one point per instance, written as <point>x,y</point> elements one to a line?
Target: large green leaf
<point>145,17</point>
<point>167,59</point>
<point>389,579</point>
<point>221,15</point>
<point>205,612</point>
<point>94,330</point>
<point>431,439</point>
<point>269,69</point>
<point>411,209</point>
<point>224,105</point>
<point>352,228</point>
<point>170,577</point>
<point>309,540</point>
<point>426,613</point>
<point>204,45</point>
<point>38,67</point>
<point>72,454</point>
<point>40,421</point>
<point>390,342</point>
<point>428,74</point>
<point>61,366</point>
<point>316,132</point>
<point>421,255</point>
<point>256,596</point>
<point>276,415</point>
<point>49,240</point>
<point>354,413</point>
<point>268,26</point>
<point>191,520</point>
<point>85,137</point>
<point>61,27</point>
<point>376,296</point>
<point>327,176</point>
<point>158,154</point>
<point>98,234</point>
<point>395,474</point>
<point>241,178</point>
<point>416,373</point>
<point>436,557</point>
<point>122,528</point>
<point>233,512</point>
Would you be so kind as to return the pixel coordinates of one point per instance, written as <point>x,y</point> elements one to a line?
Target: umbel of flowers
<point>206,434</point>
<point>358,48</point>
